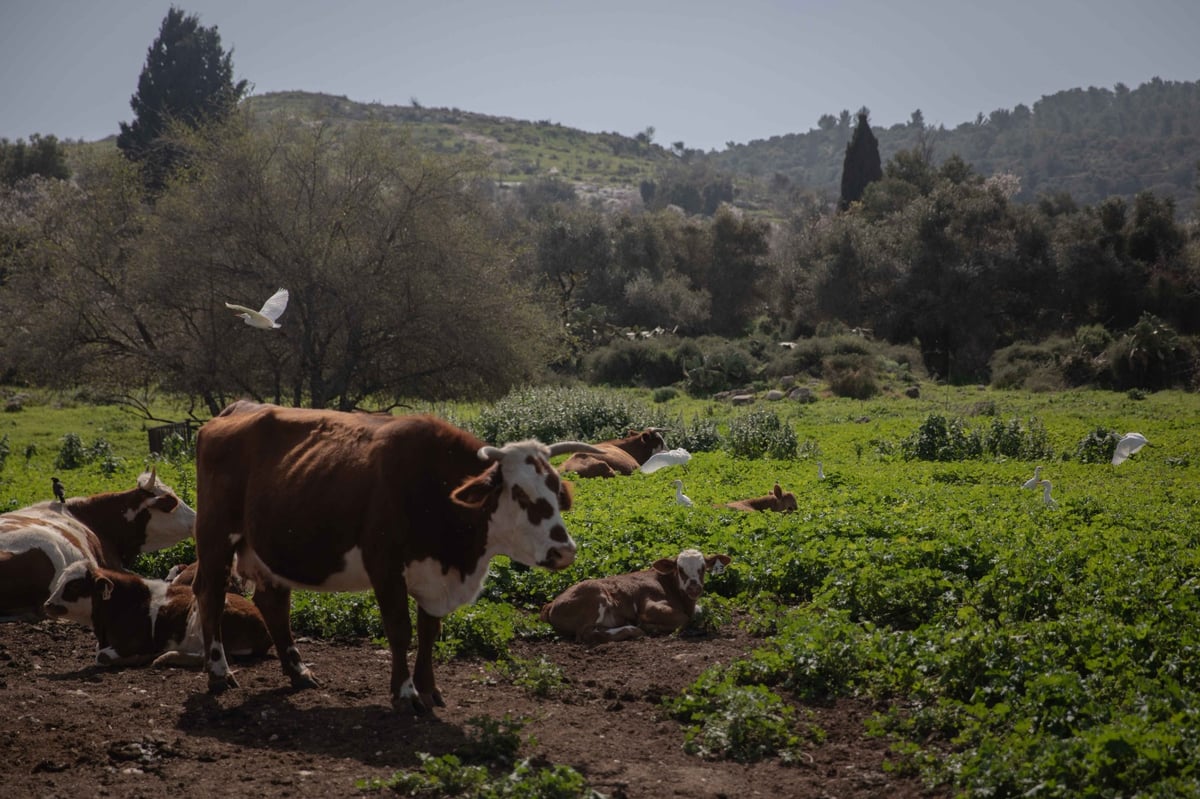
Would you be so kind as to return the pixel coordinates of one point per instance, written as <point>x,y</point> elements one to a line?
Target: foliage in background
<point>761,433</point>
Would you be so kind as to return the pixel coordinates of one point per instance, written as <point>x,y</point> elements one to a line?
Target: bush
<point>713,364</point>
<point>71,453</point>
<point>761,433</point>
<point>643,362</point>
<point>851,376</point>
<point>1012,440</point>
<point>558,414</point>
<point>699,436</point>
<point>940,440</point>
<point>1097,446</point>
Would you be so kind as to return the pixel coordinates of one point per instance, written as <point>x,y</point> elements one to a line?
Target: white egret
<point>267,317</point>
<point>1129,444</point>
<point>680,497</point>
<point>661,460</point>
<point>1046,498</point>
<point>1033,482</point>
<point>820,471</point>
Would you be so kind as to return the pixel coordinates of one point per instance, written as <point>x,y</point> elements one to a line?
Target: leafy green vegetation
<point>1010,647</point>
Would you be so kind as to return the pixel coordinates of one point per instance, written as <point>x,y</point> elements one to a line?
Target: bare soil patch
<point>68,729</point>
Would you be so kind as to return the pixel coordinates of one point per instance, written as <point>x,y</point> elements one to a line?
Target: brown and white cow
<point>618,455</point>
<point>778,500</point>
<point>656,601</point>
<point>109,529</point>
<point>139,620</point>
<point>331,501</point>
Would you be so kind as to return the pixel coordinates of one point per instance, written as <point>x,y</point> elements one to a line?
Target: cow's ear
<point>106,588</point>
<point>566,496</point>
<point>778,491</point>
<point>665,566</point>
<point>475,492</point>
<point>716,563</point>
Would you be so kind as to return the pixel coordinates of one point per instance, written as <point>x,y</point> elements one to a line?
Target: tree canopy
<point>187,80</point>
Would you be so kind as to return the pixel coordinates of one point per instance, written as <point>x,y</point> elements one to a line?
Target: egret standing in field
<point>1034,481</point>
<point>820,471</point>
<point>1046,498</point>
<point>266,318</point>
<point>1129,444</point>
<point>680,497</point>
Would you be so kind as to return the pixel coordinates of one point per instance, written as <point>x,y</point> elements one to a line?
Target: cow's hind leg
<point>428,629</point>
<point>275,605</point>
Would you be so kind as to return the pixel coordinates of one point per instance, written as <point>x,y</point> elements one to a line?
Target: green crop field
<point>1014,648</point>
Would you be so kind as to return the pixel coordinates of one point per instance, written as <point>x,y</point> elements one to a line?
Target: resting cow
<point>111,529</point>
<point>778,500</point>
<point>331,501</point>
<point>137,620</point>
<point>656,601</point>
<point>617,455</point>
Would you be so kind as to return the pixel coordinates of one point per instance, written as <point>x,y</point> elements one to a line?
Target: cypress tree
<point>861,166</point>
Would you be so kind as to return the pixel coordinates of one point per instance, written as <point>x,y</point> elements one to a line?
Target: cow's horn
<point>558,448</point>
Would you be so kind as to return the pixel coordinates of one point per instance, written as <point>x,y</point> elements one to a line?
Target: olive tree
<point>397,288</point>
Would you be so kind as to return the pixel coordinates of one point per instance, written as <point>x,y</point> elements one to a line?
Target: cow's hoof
<point>304,679</point>
<point>415,704</point>
<point>218,684</point>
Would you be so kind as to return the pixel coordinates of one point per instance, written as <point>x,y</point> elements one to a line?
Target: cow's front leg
<point>392,597</point>
<point>209,589</point>
<point>275,604</point>
<point>428,629</point>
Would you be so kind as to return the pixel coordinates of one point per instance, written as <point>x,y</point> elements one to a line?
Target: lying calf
<point>137,620</point>
<point>778,500</point>
<point>659,600</point>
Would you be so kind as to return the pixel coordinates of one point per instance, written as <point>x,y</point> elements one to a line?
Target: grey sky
<point>698,71</point>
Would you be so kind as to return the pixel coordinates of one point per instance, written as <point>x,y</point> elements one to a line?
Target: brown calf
<point>657,601</point>
<point>619,456</point>
<point>778,500</point>
<point>137,620</point>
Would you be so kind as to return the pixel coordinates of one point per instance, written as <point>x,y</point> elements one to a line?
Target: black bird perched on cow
<point>59,493</point>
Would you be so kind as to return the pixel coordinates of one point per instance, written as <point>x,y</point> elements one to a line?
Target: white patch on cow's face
<point>75,582</point>
<point>441,592</point>
<point>527,525</point>
<point>689,567</point>
<point>167,527</point>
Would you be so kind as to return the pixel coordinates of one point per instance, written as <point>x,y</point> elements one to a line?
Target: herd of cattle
<point>329,501</point>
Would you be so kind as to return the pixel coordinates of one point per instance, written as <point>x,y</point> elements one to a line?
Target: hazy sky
<point>704,72</point>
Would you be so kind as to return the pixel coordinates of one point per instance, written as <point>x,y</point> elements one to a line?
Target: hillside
<point>1090,143</point>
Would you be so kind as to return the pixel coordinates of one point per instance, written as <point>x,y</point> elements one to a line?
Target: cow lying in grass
<point>656,601</point>
<point>138,620</point>
<point>778,500</point>
<point>617,455</point>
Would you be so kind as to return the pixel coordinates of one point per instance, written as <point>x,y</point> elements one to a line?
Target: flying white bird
<point>1129,444</point>
<point>1033,482</point>
<point>680,497</point>
<point>265,318</point>
<point>661,460</point>
<point>1046,498</point>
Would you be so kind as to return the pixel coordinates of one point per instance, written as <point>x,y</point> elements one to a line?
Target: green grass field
<point>1017,649</point>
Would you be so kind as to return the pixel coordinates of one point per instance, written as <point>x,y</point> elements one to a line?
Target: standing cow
<point>617,455</point>
<point>331,501</point>
<point>110,529</point>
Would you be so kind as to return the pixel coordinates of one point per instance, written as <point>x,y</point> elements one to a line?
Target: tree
<point>42,156</point>
<point>187,80</point>
<point>861,166</point>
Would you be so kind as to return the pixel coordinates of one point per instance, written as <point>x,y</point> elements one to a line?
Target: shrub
<point>556,414</point>
<point>1012,440</point>
<point>699,436</point>
<point>71,453</point>
<point>4,450</point>
<point>940,440</point>
<point>745,723</point>
<point>633,363</point>
<point>761,433</point>
<point>713,364</point>
<point>1097,446</point>
<point>851,376</point>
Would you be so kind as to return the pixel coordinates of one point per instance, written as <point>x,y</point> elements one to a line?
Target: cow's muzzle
<point>558,558</point>
<point>54,611</point>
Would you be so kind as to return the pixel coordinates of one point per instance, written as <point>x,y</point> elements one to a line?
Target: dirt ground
<point>68,729</point>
